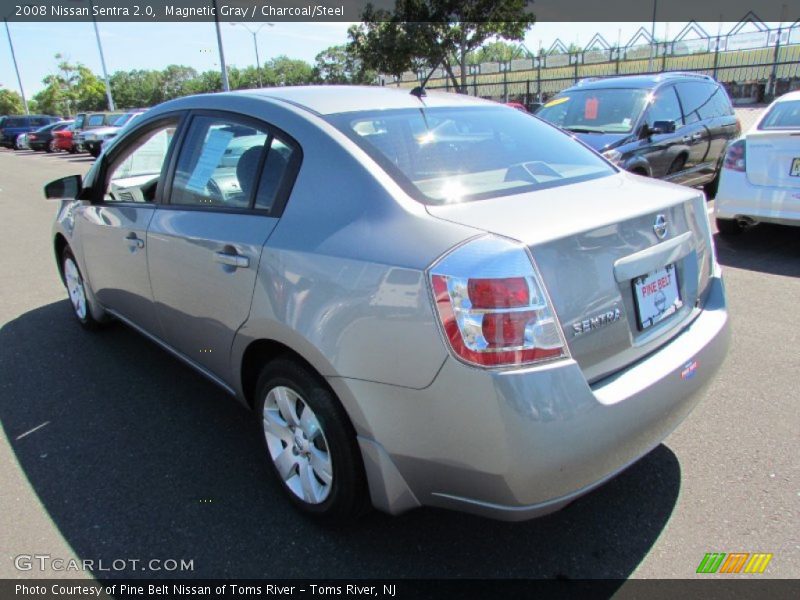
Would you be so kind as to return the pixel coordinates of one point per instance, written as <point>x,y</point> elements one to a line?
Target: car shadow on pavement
<point>134,456</point>
<point>766,248</point>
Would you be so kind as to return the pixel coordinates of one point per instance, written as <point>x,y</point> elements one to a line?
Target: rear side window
<point>95,120</point>
<point>451,155</point>
<point>703,100</point>
<point>783,115</point>
<point>12,122</point>
<point>227,164</point>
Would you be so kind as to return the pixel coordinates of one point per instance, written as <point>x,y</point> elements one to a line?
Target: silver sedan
<point>425,299</point>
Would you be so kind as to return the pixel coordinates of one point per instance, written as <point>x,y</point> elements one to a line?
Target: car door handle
<point>697,136</point>
<point>232,260</point>
<point>134,241</point>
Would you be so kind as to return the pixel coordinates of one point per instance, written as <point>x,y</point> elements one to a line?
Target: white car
<point>760,177</point>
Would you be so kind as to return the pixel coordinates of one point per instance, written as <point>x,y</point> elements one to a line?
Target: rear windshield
<point>783,115</point>
<point>451,155</point>
<point>596,111</point>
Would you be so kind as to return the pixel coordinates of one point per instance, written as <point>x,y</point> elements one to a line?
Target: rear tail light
<point>492,306</point>
<point>735,157</point>
<point>31,136</point>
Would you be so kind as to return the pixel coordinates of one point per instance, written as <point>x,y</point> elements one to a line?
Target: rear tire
<point>76,288</point>
<point>310,442</point>
<point>51,147</point>
<point>729,227</point>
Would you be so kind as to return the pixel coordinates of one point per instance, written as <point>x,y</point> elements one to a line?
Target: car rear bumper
<point>737,197</point>
<point>518,444</point>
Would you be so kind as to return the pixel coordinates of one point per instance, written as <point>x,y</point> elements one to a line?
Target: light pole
<point>254,33</point>
<point>226,87</point>
<point>102,60</point>
<point>16,68</point>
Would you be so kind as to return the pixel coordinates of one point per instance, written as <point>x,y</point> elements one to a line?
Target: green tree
<point>498,51</point>
<point>283,70</point>
<point>72,88</point>
<point>338,64</point>
<point>11,103</point>
<point>427,33</point>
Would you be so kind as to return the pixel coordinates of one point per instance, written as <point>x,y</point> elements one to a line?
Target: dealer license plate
<point>657,296</point>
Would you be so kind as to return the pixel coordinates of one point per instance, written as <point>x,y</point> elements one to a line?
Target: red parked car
<point>62,140</point>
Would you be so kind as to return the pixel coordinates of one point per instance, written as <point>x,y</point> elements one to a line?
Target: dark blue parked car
<point>11,127</point>
<point>673,126</point>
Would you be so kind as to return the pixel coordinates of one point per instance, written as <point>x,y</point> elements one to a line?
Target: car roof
<point>789,97</point>
<point>637,81</point>
<point>332,99</point>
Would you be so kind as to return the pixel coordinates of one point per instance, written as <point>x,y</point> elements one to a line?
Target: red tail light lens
<point>31,136</point>
<point>493,307</point>
<point>736,157</point>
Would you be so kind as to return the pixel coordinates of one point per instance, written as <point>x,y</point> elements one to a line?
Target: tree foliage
<point>72,88</point>
<point>428,33</point>
<point>339,65</point>
<point>11,103</point>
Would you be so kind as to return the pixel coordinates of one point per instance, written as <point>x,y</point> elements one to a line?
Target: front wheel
<point>76,288</point>
<point>310,442</point>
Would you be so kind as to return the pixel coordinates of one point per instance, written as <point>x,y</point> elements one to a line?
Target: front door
<point>113,229</point>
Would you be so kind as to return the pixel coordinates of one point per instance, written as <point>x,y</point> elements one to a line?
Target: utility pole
<point>16,68</point>
<point>653,45</point>
<point>255,45</point>
<point>225,85</point>
<point>109,97</point>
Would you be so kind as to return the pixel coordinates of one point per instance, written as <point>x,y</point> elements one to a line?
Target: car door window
<point>134,175</point>
<point>227,164</point>
<point>696,99</point>
<point>665,107</point>
<point>276,173</point>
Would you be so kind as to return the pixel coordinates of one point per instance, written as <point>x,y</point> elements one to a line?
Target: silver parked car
<point>429,300</point>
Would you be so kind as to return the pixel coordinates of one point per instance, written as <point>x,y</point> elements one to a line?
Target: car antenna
<point>419,91</point>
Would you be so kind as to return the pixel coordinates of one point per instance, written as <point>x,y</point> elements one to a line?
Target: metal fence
<point>754,62</point>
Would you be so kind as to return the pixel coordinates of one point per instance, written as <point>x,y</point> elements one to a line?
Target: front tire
<point>729,227</point>
<point>310,442</point>
<point>76,288</point>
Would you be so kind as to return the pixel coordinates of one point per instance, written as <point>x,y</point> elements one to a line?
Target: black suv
<point>673,126</point>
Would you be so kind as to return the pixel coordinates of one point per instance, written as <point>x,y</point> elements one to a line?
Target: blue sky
<point>156,45</point>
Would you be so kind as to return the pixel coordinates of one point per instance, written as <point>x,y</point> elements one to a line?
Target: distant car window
<point>665,107</point>
<point>110,118</point>
<point>610,110</point>
<point>218,164</point>
<point>95,120</point>
<point>133,176</point>
<point>13,122</point>
<point>453,155</point>
<point>79,121</point>
<point>782,115</point>
<point>276,170</point>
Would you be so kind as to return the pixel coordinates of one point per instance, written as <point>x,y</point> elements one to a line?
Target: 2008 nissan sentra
<point>425,299</point>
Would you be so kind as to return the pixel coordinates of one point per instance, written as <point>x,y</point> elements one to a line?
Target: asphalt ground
<point>111,449</point>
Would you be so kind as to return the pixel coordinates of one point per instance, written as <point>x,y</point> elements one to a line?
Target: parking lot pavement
<point>114,450</point>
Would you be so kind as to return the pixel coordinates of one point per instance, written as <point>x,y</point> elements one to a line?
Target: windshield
<point>450,155</point>
<point>596,111</point>
<point>783,115</point>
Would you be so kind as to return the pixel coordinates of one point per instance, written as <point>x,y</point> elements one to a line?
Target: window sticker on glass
<point>556,101</point>
<point>590,109</point>
<point>214,148</point>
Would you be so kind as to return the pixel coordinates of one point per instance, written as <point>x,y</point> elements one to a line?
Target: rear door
<point>696,136</point>
<point>231,178</point>
<point>113,228</point>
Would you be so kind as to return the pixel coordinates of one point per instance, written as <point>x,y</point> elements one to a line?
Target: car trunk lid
<point>591,241</point>
<point>773,158</point>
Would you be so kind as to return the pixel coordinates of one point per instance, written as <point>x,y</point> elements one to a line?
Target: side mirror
<point>66,187</point>
<point>663,127</point>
